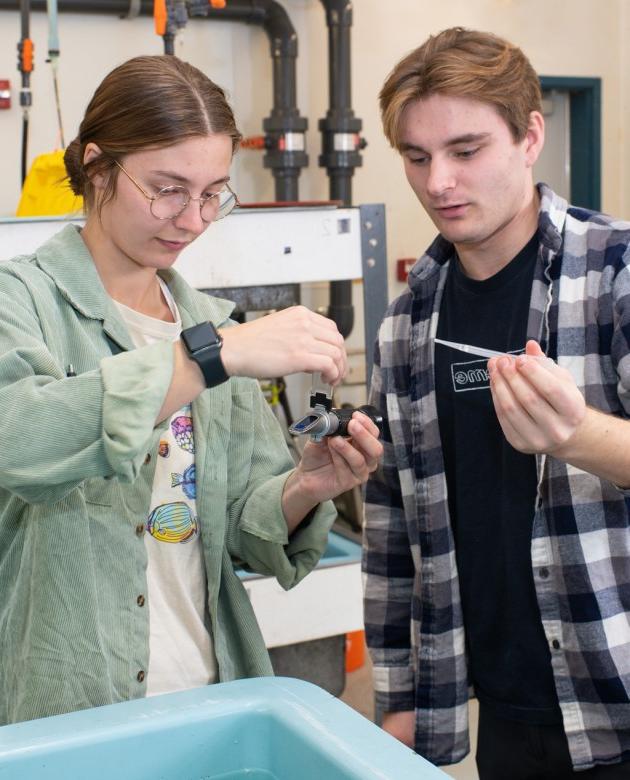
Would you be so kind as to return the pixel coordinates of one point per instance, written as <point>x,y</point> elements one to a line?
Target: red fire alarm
<point>5,93</point>
<point>403,266</point>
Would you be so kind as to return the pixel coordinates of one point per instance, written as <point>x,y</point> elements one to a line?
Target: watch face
<point>203,345</point>
<point>200,336</point>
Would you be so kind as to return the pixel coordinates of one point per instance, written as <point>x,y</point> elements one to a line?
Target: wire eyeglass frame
<point>222,209</point>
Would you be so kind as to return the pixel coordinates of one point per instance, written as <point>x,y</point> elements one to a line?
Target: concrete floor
<point>359,694</point>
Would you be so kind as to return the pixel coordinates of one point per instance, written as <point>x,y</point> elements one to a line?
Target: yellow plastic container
<point>46,191</point>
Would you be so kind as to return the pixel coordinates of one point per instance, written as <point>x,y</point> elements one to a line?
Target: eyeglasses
<point>170,202</point>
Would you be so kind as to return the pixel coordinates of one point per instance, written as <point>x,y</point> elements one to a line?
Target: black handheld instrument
<point>322,422</point>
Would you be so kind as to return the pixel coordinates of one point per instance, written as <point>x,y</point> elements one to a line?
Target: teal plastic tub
<point>261,729</point>
<point>340,551</point>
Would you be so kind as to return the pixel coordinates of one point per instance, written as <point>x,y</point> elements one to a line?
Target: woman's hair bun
<point>74,167</point>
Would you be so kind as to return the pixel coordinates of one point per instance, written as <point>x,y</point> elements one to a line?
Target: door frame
<point>585,108</point>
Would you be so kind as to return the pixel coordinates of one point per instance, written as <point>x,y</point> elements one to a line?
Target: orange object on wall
<point>253,142</point>
<point>160,16</point>
<point>26,56</point>
<point>355,650</point>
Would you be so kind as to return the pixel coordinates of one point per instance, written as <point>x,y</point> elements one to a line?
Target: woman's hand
<point>331,467</point>
<point>285,342</point>
<point>336,464</point>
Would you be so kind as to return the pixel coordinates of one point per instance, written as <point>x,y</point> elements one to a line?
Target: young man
<point>497,541</point>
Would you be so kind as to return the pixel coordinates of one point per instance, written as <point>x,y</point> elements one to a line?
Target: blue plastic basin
<point>339,551</point>
<point>266,728</point>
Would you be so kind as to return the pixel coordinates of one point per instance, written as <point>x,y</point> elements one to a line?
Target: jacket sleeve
<point>388,568</point>
<point>257,529</point>
<point>58,431</point>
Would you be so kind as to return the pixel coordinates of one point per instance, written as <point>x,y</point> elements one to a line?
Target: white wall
<point>562,38</point>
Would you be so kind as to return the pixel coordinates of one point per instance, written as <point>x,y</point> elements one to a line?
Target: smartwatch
<point>203,345</point>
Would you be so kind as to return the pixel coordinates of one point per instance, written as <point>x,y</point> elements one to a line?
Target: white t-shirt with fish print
<point>180,644</point>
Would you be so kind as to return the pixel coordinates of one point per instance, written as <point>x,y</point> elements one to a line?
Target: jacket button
<point>140,676</point>
<point>140,529</point>
<point>555,644</point>
<point>544,573</point>
<point>140,601</point>
<point>147,459</point>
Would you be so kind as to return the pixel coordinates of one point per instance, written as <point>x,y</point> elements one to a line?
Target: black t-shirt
<point>492,493</point>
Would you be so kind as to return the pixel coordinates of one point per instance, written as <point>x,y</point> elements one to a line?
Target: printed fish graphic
<point>182,428</point>
<point>186,480</point>
<point>173,523</point>
<point>164,449</point>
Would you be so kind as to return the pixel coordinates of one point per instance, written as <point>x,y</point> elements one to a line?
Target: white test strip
<point>479,351</point>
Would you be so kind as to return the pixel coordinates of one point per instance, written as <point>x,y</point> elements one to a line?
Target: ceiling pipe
<point>341,142</point>
<point>285,129</point>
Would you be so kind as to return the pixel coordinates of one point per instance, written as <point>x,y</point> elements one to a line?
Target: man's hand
<point>539,406</point>
<point>401,725</point>
<point>541,410</point>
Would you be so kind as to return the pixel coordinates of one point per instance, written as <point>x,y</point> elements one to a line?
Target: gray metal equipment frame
<point>373,248</point>
<point>374,263</point>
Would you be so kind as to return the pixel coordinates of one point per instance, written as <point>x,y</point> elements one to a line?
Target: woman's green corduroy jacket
<point>77,456</point>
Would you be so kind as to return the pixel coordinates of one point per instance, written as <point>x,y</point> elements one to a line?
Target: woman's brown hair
<point>147,102</point>
<point>463,63</point>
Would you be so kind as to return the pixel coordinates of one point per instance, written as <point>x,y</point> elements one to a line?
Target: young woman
<point>139,458</point>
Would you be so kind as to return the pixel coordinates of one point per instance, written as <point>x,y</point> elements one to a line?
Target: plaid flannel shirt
<point>580,313</point>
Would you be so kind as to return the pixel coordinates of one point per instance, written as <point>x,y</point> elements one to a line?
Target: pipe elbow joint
<point>279,28</point>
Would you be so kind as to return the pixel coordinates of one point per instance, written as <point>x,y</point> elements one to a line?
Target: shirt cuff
<point>394,688</point>
<point>265,542</point>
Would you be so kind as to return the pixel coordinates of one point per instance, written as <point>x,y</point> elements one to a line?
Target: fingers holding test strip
<point>537,402</point>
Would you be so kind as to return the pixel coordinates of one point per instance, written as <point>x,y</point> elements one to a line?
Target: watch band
<point>203,345</point>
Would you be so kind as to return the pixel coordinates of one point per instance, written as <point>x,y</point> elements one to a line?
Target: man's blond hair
<point>464,63</point>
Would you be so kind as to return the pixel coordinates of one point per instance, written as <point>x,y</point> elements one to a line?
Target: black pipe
<point>341,142</point>
<point>26,96</point>
<point>120,7</point>
<point>24,155</point>
<point>25,20</point>
<point>176,19</point>
<point>169,42</point>
<point>284,129</point>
